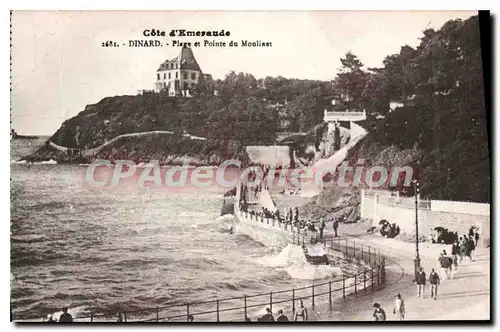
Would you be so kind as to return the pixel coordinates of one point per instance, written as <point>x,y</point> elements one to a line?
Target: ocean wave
<point>313,272</point>
<point>48,205</point>
<point>290,255</point>
<point>293,261</point>
<point>45,162</point>
<point>32,238</point>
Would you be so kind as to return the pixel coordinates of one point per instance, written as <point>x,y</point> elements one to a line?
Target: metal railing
<point>364,270</point>
<point>366,277</point>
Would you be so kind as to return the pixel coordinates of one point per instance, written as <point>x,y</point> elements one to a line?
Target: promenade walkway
<point>467,296</point>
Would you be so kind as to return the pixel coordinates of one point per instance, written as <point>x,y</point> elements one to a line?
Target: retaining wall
<point>456,216</point>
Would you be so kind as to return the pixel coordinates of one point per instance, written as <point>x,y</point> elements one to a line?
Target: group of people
<point>398,310</point>
<point>462,249</point>
<point>421,280</point>
<point>335,226</point>
<point>64,318</point>
<point>389,230</point>
<point>299,315</point>
<point>448,264</point>
<point>289,218</point>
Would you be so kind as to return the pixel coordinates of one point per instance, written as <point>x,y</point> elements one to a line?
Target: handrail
<point>348,251</point>
<point>371,276</point>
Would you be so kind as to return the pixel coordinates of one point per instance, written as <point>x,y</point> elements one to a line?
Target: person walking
<point>470,248</point>
<point>445,264</point>
<point>321,228</point>
<point>420,279</point>
<point>455,251</point>
<point>301,312</point>
<point>378,313</point>
<point>462,250</point>
<point>399,307</point>
<point>434,280</point>
<point>335,225</point>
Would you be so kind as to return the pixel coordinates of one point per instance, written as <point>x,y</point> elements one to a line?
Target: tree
<point>351,80</point>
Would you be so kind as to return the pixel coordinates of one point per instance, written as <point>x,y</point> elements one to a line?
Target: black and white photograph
<point>258,167</point>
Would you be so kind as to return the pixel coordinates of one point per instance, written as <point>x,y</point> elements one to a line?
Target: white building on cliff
<point>178,75</point>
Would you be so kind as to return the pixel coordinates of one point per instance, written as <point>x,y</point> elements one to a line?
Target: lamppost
<point>416,187</point>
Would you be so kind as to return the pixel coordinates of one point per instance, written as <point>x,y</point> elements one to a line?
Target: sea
<point>115,249</point>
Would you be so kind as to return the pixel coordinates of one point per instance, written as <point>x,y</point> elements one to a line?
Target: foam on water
<point>316,250</point>
<point>290,255</point>
<point>293,260</point>
<point>313,272</point>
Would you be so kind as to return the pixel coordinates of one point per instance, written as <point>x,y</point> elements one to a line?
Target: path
<point>467,296</point>
<point>93,151</point>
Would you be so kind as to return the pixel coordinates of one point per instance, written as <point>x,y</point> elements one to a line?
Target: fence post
<point>271,301</point>
<point>362,256</point>
<point>346,248</point>
<point>217,310</point>
<point>383,269</point>
<point>372,279</point>
<point>91,317</point>
<point>313,296</point>
<point>354,249</point>
<point>330,293</point>
<point>355,282</point>
<point>245,301</point>
<point>157,314</point>
<point>364,280</point>
<point>343,286</point>
<point>187,312</point>
<point>369,255</point>
<point>125,317</point>
<point>293,300</point>
<point>378,274</point>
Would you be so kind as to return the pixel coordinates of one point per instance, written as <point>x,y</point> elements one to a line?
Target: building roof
<point>185,60</point>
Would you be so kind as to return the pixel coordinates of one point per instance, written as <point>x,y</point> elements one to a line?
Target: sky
<point>58,65</point>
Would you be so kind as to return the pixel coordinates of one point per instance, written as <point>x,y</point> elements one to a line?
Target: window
<point>176,74</point>
<point>164,75</point>
<point>185,76</point>
<point>193,76</point>
<point>169,75</point>
<point>158,76</point>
